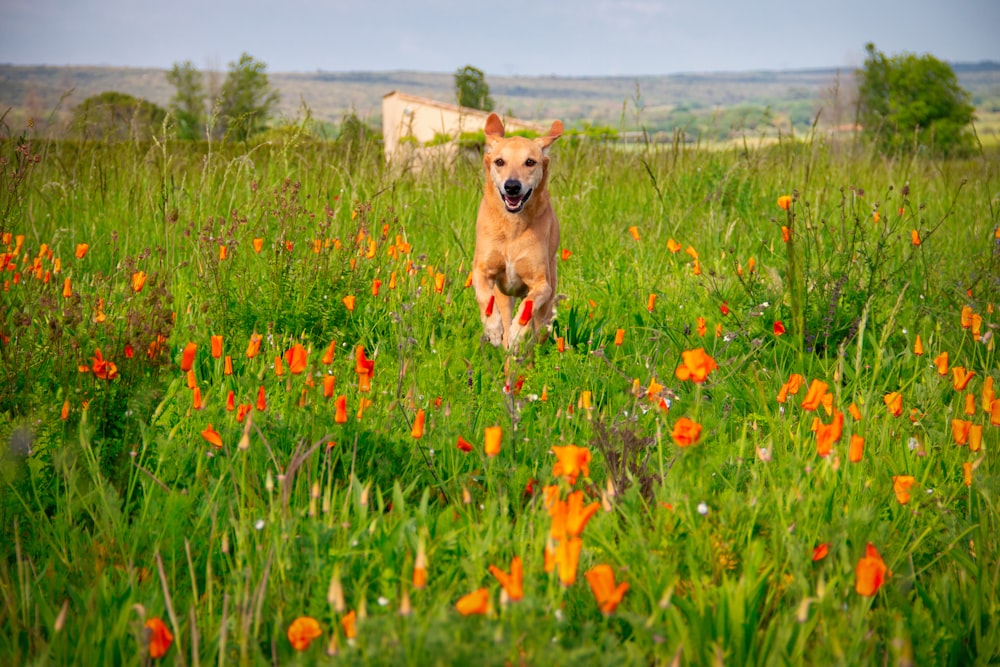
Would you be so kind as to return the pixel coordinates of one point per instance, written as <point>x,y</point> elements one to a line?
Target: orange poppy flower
<point>253,347</point>
<point>966,319</point>
<point>960,429</point>
<point>619,337</point>
<point>231,401</point>
<point>571,461</point>
<point>970,404</point>
<point>160,638</point>
<point>651,302</point>
<point>279,367</point>
<point>476,602</point>
<point>918,346</point>
<point>227,366</point>
<point>296,358</point>
<point>196,398</point>
<point>901,485</point>
<point>566,254</point>
<point>81,250</point>
<point>187,356</point>
<point>349,302</point>
<point>464,445</point>
<point>855,412</point>
<point>420,567</point>
<point>526,309</point>
<point>786,234</point>
<point>303,631</point>
<point>67,288</point>
<point>975,437</point>
<point>702,329</point>
<point>577,516</point>
<point>695,366</point>
<point>418,425</point>
<point>914,237</point>
<point>512,583</point>
<point>258,245</point>
<point>820,551</point>
<point>212,437</point>
<point>894,401</point>
<point>784,202</point>
<point>340,405</point>
<point>364,367</point>
<point>560,344</point>
<point>857,449</point>
<point>960,377</point>
<point>493,436</point>
<point>815,394</point>
<point>673,246</point>
<point>602,584</point>
<point>828,434</point>
<point>64,414</point>
<point>870,572</point>
<point>567,558</point>
<point>995,412</point>
<point>967,469</point>
<point>791,387</point>
<point>350,624</point>
<point>685,432</point>
<point>634,231</point>
<point>327,357</point>
<point>941,361</point>
<point>261,399</point>
<point>102,368</point>
<point>138,281</point>
<point>216,346</point>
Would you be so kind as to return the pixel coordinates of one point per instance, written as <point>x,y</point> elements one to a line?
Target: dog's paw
<point>494,333</point>
<point>513,341</point>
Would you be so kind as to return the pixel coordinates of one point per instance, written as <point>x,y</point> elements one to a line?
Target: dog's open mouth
<point>514,204</point>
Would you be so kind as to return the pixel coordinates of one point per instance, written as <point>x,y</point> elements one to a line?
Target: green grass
<point>123,511</point>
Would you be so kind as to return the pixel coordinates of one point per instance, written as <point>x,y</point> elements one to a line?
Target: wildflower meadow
<point>248,416</point>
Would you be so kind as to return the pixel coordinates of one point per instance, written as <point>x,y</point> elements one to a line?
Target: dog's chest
<point>509,280</point>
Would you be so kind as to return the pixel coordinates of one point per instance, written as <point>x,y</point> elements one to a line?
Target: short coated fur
<point>517,236</point>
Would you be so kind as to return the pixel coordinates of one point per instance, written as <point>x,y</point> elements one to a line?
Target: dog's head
<point>517,167</point>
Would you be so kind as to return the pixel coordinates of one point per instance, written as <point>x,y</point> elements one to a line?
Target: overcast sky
<point>501,37</point>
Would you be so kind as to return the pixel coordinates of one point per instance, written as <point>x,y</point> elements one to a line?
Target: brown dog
<point>517,236</point>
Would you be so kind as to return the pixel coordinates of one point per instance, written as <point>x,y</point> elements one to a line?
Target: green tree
<point>117,117</point>
<point>908,101</point>
<point>188,103</point>
<point>471,89</point>
<point>247,99</point>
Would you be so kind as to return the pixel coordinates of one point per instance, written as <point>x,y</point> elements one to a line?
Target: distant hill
<point>656,102</point>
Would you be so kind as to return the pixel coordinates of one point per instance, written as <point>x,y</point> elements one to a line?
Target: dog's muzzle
<point>513,199</point>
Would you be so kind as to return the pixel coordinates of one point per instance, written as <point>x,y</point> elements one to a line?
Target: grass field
<point>239,383</point>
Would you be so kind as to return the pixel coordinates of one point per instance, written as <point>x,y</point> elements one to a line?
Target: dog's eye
<point>529,162</point>
<point>498,162</point>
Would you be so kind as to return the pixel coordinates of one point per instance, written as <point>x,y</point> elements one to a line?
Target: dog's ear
<point>493,129</point>
<point>554,133</point>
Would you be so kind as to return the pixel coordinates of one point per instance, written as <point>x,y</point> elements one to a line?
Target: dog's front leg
<point>489,309</point>
<point>540,298</point>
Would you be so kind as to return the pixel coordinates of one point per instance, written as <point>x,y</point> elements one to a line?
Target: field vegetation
<point>248,417</point>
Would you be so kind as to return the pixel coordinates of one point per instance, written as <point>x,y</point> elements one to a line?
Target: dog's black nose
<point>512,187</point>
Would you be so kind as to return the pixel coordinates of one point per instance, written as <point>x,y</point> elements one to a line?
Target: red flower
<point>160,638</point>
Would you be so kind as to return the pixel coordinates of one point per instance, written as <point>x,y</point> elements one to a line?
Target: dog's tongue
<point>513,202</point>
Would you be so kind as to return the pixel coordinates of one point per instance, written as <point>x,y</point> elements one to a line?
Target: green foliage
<point>247,99</point>
<point>471,89</point>
<point>120,510</point>
<point>188,102</point>
<point>117,116</point>
<point>909,102</point>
